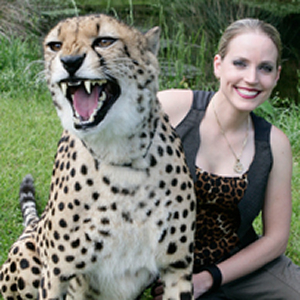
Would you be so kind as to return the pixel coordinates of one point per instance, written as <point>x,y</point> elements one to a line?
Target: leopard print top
<point>218,217</point>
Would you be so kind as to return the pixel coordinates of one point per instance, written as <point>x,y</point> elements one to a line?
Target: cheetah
<point>121,208</point>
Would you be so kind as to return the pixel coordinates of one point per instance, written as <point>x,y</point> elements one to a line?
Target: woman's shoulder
<point>280,141</point>
<point>176,103</point>
<point>267,130</point>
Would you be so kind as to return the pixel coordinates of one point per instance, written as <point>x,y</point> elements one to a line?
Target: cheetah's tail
<point>27,200</point>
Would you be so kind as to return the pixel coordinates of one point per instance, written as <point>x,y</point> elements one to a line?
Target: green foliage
<point>22,18</point>
<point>284,114</point>
<point>181,59</point>
<point>25,18</point>
<point>19,67</point>
<point>277,7</point>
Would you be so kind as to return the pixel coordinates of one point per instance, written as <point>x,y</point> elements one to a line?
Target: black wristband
<point>216,275</point>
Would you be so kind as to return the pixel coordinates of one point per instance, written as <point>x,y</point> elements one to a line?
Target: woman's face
<point>248,72</point>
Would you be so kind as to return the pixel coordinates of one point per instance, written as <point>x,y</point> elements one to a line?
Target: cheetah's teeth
<point>64,87</point>
<point>74,83</point>
<point>102,98</point>
<point>92,117</point>
<point>76,114</point>
<point>100,103</point>
<point>100,82</point>
<point>76,121</point>
<point>88,85</point>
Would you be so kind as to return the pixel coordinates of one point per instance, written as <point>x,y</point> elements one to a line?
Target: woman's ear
<point>278,74</point>
<point>217,65</point>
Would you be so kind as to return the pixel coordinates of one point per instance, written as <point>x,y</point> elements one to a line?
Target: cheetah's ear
<point>152,37</point>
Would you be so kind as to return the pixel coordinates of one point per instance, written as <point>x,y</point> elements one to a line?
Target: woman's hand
<point>202,283</point>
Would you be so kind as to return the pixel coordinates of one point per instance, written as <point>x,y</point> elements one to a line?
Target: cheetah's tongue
<point>85,103</point>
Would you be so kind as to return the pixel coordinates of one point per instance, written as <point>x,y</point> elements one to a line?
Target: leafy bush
<point>277,7</point>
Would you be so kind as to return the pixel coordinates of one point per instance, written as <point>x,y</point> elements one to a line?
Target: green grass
<point>29,133</point>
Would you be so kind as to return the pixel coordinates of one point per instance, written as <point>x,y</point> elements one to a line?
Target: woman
<point>241,164</point>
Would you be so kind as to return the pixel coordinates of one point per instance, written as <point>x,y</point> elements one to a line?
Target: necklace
<point>238,166</point>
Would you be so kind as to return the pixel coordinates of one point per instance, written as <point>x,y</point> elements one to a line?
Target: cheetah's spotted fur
<point>121,208</point>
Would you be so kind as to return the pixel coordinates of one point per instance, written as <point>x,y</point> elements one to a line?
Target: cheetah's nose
<point>72,62</point>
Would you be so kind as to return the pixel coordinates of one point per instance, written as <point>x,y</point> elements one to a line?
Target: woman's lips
<point>247,93</point>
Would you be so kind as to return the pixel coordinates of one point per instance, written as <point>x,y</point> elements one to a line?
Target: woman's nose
<point>251,75</point>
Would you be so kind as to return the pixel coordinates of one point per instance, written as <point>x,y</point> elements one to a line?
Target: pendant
<point>238,167</point>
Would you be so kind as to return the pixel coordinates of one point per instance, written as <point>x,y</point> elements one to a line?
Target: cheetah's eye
<point>54,46</point>
<point>103,42</point>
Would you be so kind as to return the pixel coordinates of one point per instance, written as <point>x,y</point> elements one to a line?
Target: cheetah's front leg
<point>177,285</point>
<point>53,287</point>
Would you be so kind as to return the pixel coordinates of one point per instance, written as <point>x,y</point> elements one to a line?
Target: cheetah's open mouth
<point>90,100</point>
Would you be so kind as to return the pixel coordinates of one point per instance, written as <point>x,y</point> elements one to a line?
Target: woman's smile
<point>247,93</point>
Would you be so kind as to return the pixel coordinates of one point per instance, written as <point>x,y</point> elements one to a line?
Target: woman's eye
<point>239,63</point>
<point>266,68</point>
<point>103,42</point>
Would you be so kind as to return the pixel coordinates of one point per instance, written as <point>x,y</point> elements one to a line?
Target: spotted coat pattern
<point>122,207</point>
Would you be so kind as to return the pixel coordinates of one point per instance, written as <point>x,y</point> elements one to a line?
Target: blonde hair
<point>244,25</point>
